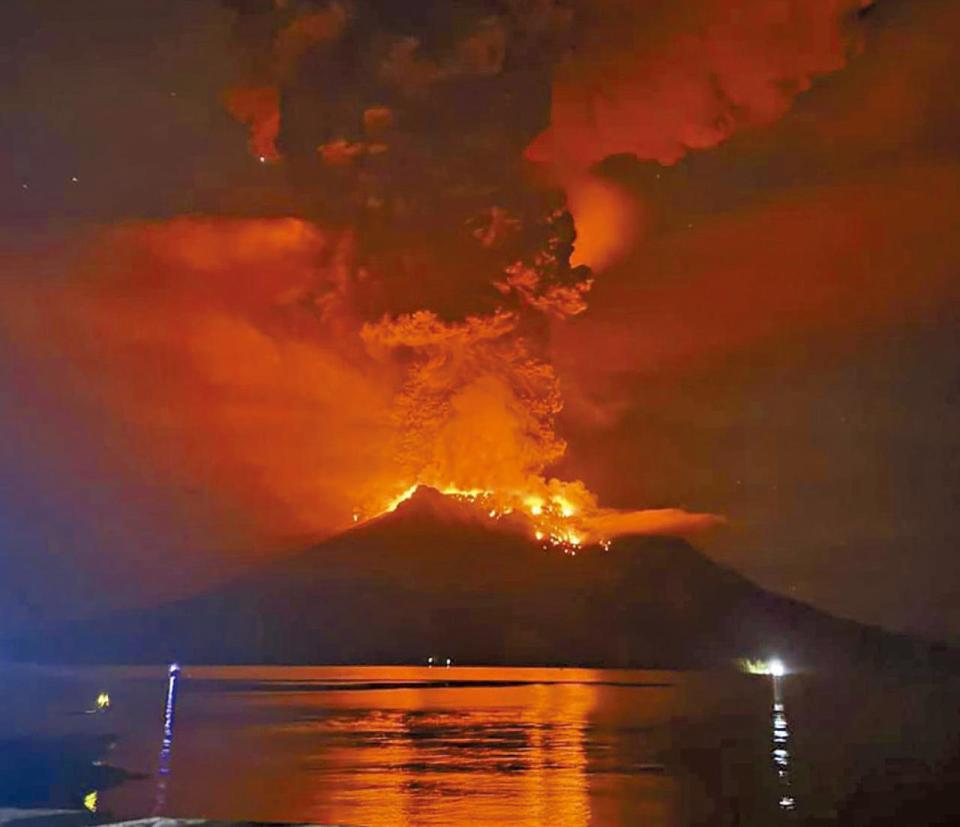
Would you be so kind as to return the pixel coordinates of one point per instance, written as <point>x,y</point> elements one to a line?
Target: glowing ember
<point>401,498</point>
<point>556,521</point>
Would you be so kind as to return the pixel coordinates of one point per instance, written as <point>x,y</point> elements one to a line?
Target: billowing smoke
<point>476,408</point>
<point>273,64</point>
<point>427,111</point>
<point>235,350</point>
<point>477,405</point>
<point>397,333</point>
<point>222,348</point>
<point>386,112</point>
<point>658,80</point>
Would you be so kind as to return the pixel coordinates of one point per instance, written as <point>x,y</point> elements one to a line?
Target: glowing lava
<point>553,517</point>
<point>560,515</point>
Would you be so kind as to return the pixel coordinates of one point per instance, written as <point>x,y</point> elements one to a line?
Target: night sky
<point>203,353</point>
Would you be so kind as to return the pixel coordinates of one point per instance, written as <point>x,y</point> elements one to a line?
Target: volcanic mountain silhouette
<point>437,577</point>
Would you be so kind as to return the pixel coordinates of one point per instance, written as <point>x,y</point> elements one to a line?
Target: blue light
<point>166,746</point>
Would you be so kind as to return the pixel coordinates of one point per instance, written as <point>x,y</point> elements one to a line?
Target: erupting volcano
<point>287,387</point>
<point>312,372</point>
<point>400,345</point>
<point>472,248</point>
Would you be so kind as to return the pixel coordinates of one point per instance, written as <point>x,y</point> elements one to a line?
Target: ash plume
<point>659,80</point>
<point>431,112</point>
<point>398,331</point>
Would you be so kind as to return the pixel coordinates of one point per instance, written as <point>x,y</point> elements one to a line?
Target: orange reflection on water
<point>437,755</point>
<point>417,746</point>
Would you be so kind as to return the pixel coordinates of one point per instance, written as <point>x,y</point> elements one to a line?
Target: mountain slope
<point>437,578</point>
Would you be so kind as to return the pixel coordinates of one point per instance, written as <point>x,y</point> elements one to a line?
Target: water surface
<point>447,746</point>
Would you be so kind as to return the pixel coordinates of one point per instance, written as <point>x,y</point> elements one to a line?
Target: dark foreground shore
<point>73,818</point>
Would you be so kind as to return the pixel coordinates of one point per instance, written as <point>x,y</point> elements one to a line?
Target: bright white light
<point>773,667</point>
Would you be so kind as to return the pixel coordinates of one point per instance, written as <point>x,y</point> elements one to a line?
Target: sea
<point>456,745</point>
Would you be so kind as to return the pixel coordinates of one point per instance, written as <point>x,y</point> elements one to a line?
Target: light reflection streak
<point>516,754</point>
<point>781,749</point>
<point>166,746</point>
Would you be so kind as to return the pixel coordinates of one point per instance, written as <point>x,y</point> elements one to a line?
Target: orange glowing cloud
<point>609,221</point>
<point>839,260</point>
<point>475,418</point>
<point>229,353</point>
<point>216,344</point>
<point>476,407</point>
<point>657,81</point>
